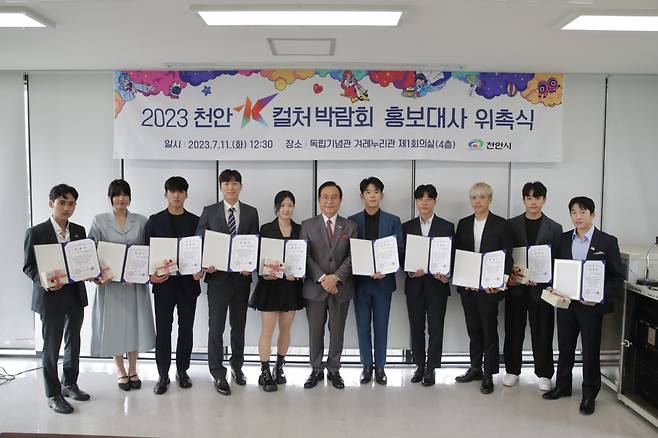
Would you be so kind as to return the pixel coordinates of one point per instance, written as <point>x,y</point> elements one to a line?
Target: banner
<point>338,115</point>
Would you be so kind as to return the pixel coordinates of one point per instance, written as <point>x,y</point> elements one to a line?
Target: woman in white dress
<point>122,320</point>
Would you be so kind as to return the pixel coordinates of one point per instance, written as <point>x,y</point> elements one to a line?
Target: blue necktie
<point>231,221</point>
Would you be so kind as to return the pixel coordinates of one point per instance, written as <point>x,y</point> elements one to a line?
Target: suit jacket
<point>72,294</point>
<point>439,228</point>
<point>602,247</point>
<point>323,258</point>
<point>549,233</point>
<point>389,225</point>
<point>495,236</point>
<point>213,218</point>
<point>159,225</point>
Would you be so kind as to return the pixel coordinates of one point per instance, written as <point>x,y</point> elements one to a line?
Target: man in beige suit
<point>328,286</point>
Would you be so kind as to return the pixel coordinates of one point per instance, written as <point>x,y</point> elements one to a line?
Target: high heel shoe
<point>124,386</point>
<point>134,384</point>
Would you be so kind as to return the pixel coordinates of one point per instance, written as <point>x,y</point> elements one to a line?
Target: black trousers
<point>426,304</point>
<point>54,326</point>
<point>586,321</point>
<point>185,305</point>
<point>232,297</point>
<point>481,314</point>
<point>519,309</point>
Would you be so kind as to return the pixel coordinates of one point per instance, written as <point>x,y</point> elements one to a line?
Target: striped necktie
<point>231,221</point>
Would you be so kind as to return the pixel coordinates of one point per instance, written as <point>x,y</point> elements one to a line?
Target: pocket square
<point>344,237</point>
<point>599,253</point>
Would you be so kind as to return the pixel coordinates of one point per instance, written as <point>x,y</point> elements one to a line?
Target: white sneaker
<point>510,379</point>
<point>545,384</point>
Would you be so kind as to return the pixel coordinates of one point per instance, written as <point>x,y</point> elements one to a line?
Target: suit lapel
<point>470,238</point>
<point>543,233</point>
<point>222,217</point>
<point>243,219</point>
<point>322,226</point>
<point>434,228</point>
<point>593,245</point>
<point>485,233</point>
<point>524,232</point>
<point>338,231</point>
<point>382,231</point>
<point>50,230</point>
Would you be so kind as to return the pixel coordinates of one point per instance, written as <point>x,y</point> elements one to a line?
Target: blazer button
<point>331,260</point>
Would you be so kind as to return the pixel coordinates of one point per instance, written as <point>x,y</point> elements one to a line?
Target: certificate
<point>295,261</point>
<point>216,250</point>
<point>567,278</point>
<point>163,256</point>
<point>467,269</point>
<point>593,280</point>
<point>416,253</point>
<point>82,259</point>
<point>189,255</point>
<point>271,257</point>
<point>539,263</point>
<point>363,259</point>
<point>440,254</point>
<point>519,255</point>
<point>51,265</point>
<point>387,260</point>
<point>244,253</point>
<point>111,257</point>
<point>137,264</point>
<point>493,270</point>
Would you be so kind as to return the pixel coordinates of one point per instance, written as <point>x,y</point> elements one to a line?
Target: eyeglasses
<point>330,198</point>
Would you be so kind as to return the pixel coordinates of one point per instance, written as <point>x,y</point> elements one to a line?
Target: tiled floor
<point>400,409</point>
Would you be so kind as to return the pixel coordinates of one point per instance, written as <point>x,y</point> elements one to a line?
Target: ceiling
<point>479,35</point>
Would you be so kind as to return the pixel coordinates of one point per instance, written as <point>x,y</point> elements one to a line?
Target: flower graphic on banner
<point>399,79</point>
<point>545,88</point>
<point>338,74</point>
<point>283,78</point>
<point>497,84</point>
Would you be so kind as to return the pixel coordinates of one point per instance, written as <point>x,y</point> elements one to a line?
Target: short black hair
<point>425,189</point>
<point>280,197</point>
<point>176,184</point>
<point>535,189</point>
<point>229,175</point>
<point>118,187</point>
<point>61,190</point>
<point>330,184</point>
<point>583,202</point>
<point>365,182</point>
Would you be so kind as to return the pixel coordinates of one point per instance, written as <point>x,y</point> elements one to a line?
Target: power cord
<point>6,377</point>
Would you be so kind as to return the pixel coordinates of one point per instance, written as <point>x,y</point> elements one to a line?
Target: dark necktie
<point>231,221</point>
<point>330,232</point>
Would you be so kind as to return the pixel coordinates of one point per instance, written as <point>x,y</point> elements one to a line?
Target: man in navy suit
<point>178,291</point>
<point>427,294</point>
<point>372,300</point>
<point>61,307</point>
<point>585,242</point>
<point>227,291</point>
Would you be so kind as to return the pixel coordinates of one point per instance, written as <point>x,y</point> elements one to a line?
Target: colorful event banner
<point>338,115</point>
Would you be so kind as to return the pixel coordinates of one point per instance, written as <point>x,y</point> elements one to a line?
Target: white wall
<point>15,331</point>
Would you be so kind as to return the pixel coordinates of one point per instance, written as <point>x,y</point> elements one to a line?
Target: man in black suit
<point>427,294</point>
<point>523,301</point>
<point>483,232</point>
<point>62,306</point>
<point>179,291</point>
<point>585,242</point>
<point>227,291</point>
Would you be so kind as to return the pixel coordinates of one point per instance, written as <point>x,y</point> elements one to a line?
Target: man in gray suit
<point>523,302</point>
<point>227,290</point>
<point>328,286</point>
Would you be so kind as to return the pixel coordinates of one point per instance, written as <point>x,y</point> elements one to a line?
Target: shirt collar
<point>57,228</point>
<point>427,222</point>
<point>588,235</point>
<point>333,218</point>
<point>236,206</point>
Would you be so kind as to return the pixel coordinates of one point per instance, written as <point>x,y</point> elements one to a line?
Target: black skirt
<point>277,295</point>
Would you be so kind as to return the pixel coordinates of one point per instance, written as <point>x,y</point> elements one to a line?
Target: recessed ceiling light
<point>22,18</point>
<point>626,23</point>
<point>299,17</point>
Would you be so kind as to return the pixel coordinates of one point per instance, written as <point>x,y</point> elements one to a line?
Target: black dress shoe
<point>470,375</point>
<point>335,379</point>
<point>239,376</point>
<point>313,379</point>
<point>124,383</point>
<point>417,377</point>
<point>587,406</point>
<point>556,393</point>
<point>380,376</point>
<point>221,385</point>
<point>428,377</point>
<point>58,404</point>
<point>183,379</point>
<point>136,383</point>
<point>487,384</point>
<point>75,393</point>
<point>266,380</point>
<point>161,386</point>
<point>366,375</point>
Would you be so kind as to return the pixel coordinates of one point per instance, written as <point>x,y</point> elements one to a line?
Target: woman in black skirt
<point>277,298</point>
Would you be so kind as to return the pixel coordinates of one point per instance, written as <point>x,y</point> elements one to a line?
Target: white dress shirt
<point>478,228</point>
<point>425,226</point>
<point>61,237</point>
<point>236,213</point>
